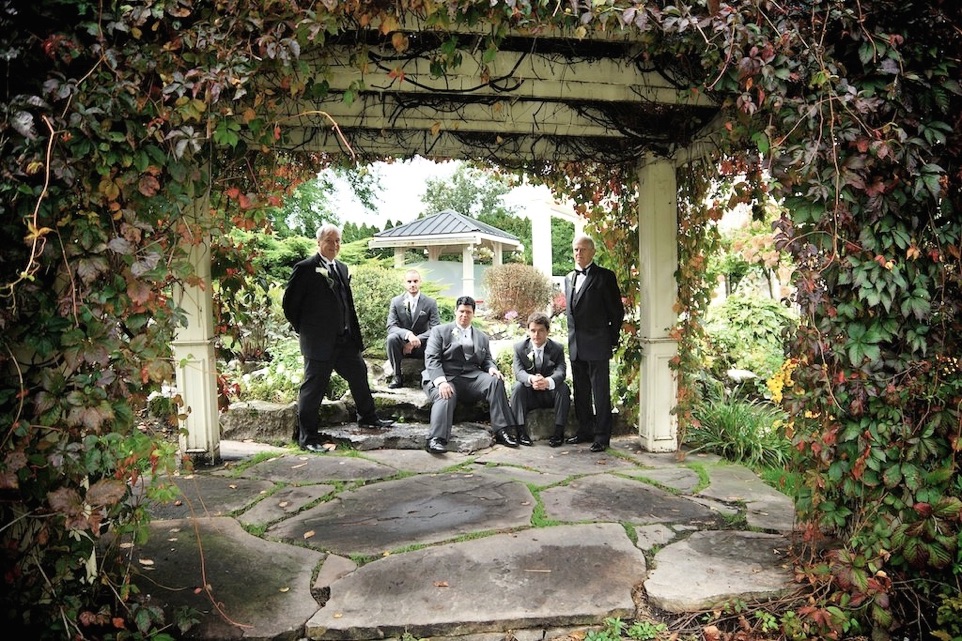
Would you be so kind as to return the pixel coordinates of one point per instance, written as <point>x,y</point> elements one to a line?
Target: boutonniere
<point>326,274</point>
<point>531,356</point>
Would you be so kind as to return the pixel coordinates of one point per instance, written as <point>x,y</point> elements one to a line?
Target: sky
<point>403,183</point>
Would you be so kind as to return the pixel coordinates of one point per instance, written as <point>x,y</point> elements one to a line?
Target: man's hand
<point>446,390</point>
<point>538,382</point>
<point>413,341</point>
<point>494,371</point>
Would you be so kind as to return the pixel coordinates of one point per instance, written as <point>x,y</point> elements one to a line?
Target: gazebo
<point>448,232</point>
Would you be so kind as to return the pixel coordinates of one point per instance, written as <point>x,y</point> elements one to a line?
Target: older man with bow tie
<point>458,365</point>
<point>595,313</point>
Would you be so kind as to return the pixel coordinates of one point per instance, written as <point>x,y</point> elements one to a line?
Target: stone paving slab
<point>681,479</point>
<point>612,498</point>
<point>283,503</point>
<point>557,576</point>
<point>709,569</point>
<point>256,589</point>
<point>766,507</point>
<point>203,496</point>
<point>569,460</point>
<point>301,469</point>
<point>416,510</point>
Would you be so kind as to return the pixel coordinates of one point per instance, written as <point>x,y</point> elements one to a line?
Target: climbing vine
<point>132,132</point>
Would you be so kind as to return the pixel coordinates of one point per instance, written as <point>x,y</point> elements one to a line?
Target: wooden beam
<point>510,73</point>
<point>384,111</point>
<point>509,151</point>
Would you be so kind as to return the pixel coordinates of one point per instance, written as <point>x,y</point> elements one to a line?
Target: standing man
<point>458,366</point>
<point>409,323</point>
<point>319,305</point>
<point>539,369</point>
<point>595,313</point>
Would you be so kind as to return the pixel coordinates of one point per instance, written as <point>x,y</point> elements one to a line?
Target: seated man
<point>409,322</point>
<point>458,366</point>
<point>539,369</point>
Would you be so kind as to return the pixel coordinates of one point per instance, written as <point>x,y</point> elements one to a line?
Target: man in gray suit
<point>595,313</point>
<point>539,369</point>
<point>319,305</point>
<point>409,323</point>
<point>458,365</point>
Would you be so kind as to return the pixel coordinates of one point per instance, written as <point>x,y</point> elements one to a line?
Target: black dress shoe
<point>502,436</point>
<point>577,438</point>
<point>395,384</point>
<point>378,423</point>
<point>313,447</point>
<point>597,446</point>
<point>435,446</point>
<point>523,437</point>
<point>556,441</point>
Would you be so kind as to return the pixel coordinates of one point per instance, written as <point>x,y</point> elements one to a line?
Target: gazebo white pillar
<point>658,260</point>
<point>194,359</point>
<point>541,256</point>
<point>398,258</point>
<point>467,270</point>
<point>498,258</point>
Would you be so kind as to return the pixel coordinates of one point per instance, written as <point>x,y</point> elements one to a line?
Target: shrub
<point>519,288</point>
<point>748,332</point>
<point>374,287</point>
<point>741,431</point>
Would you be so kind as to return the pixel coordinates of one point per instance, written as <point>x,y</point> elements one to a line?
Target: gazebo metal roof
<point>448,229</point>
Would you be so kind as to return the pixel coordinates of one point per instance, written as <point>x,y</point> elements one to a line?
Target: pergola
<point>447,232</point>
<point>544,97</point>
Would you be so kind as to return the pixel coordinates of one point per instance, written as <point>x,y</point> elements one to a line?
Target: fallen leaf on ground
<point>283,503</point>
<point>146,562</point>
<point>285,589</point>
<point>330,447</point>
<point>441,584</point>
<point>309,534</point>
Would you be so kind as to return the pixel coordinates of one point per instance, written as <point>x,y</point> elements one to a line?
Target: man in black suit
<point>319,305</point>
<point>458,366</point>
<point>539,372</point>
<point>595,313</point>
<point>409,323</point>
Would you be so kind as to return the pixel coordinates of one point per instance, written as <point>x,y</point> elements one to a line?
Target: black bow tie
<point>581,272</point>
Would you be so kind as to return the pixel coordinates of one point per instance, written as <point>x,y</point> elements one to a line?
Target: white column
<point>498,258</point>
<point>467,271</point>
<point>398,258</point>
<point>434,252</point>
<point>194,359</point>
<point>658,260</point>
<point>541,256</point>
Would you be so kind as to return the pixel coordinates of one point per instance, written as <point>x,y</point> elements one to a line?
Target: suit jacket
<point>313,305</point>
<point>425,317</point>
<point>552,362</point>
<point>444,356</point>
<point>595,314</point>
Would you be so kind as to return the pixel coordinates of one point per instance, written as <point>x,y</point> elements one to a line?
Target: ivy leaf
<point>863,343</point>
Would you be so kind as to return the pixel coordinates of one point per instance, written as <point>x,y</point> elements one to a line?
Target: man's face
<point>583,252</point>
<point>463,315</point>
<point>329,245</point>
<point>538,334</point>
<point>412,283</point>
